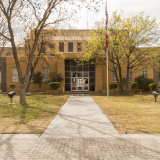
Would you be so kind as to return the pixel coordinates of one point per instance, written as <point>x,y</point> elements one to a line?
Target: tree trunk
<point>127,81</point>
<point>30,78</point>
<point>120,83</point>
<point>22,93</point>
<point>28,85</point>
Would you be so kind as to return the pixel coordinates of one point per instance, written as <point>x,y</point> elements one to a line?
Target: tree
<point>45,49</point>
<point>37,78</point>
<point>130,44</point>
<point>25,15</point>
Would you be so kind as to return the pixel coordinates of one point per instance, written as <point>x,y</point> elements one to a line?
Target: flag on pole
<point>106,27</point>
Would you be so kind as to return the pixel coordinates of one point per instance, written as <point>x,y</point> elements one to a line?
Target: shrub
<point>112,86</point>
<point>134,85</point>
<point>12,85</point>
<point>37,78</point>
<point>153,86</point>
<point>144,82</point>
<point>54,77</point>
<point>55,85</point>
<point>150,86</point>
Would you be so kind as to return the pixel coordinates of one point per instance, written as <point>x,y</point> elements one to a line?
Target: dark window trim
<point>61,46</point>
<point>79,46</point>
<point>70,46</point>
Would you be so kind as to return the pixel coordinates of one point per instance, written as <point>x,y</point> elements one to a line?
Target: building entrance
<point>80,84</point>
<point>79,77</point>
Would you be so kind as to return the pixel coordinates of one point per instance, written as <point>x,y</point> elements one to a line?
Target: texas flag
<point>106,26</point>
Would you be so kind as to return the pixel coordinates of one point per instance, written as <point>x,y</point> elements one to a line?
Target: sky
<point>130,8</point>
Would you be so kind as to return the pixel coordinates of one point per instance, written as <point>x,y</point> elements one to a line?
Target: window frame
<point>79,46</point>
<point>130,75</point>
<point>16,75</point>
<point>60,43</point>
<point>70,46</point>
<point>146,70</point>
<point>44,75</point>
<point>113,75</point>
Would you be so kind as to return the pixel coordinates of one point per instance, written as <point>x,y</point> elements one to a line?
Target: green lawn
<point>32,118</point>
<point>132,114</point>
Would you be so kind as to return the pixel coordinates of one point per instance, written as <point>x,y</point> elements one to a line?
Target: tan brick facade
<point>58,66</point>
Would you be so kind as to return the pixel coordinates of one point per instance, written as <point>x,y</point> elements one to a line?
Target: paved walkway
<point>80,117</point>
<point>80,132</point>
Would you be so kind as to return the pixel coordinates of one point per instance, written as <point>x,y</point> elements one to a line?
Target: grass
<point>32,118</point>
<point>132,114</point>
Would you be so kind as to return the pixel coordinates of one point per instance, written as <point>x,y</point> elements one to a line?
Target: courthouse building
<point>86,78</point>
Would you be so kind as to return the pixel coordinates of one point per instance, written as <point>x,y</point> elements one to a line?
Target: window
<point>70,47</point>
<point>0,76</point>
<point>14,75</point>
<point>61,47</point>
<point>45,74</point>
<point>144,72</point>
<point>113,76</point>
<point>79,47</point>
<point>130,75</point>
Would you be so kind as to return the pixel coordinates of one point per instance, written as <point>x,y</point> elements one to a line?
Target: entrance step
<point>81,92</point>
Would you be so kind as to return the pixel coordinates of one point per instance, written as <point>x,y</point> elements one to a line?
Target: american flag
<point>106,26</point>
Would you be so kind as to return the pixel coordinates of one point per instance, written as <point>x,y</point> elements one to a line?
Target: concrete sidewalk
<point>80,117</point>
<point>80,131</point>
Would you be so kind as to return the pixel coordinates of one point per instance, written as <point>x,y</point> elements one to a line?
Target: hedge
<point>112,86</point>
<point>55,85</point>
<point>134,85</point>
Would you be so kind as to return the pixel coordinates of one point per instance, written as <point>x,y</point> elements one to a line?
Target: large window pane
<point>91,74</point>
<point>73,68</point>
<point>91,87</point>
<point>14,75</point>
<point>85,74</point>
<point>79,74</point>
<point>79,68</point>
<point>73,74</point>
<point>91,68</point>
<point>85,68</point>
<point>67,80</point>
<point>67,74</point>
<point>67,87</point>
<point>67,68</point>
<point>45,74</point>
<point>70,47</point>
<point>67,62</point>
<point>73,63</point>
<point>91,80</point>
<point>113,76</point>
<point>144,72</point>
<point>79,47</point>
<point>61,47</point>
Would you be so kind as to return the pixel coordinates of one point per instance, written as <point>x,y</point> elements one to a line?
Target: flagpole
<point>107,73</point>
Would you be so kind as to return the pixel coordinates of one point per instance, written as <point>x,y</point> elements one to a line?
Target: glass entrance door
<point>80,84</point>
<point>86,84</point>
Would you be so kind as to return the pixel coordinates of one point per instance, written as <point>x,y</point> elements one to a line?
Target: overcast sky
<point>130,7</point>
